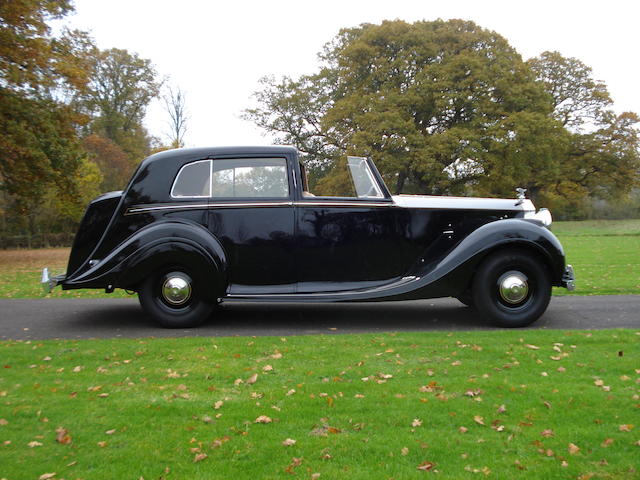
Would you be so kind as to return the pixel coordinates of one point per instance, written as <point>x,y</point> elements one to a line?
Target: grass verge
<point>509,404</point>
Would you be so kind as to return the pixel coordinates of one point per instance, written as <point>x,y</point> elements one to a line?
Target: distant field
<point>604,253</point>
<point>597,228</point>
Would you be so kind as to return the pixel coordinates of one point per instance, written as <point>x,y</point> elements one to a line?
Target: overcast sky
<point>216,51</point>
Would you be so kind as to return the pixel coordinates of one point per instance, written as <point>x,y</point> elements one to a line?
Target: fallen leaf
<point>34,444</point>
<point>501,409</point>
<point>276,355</point>
<point>262,419</point>
<point>77,369</point>
<point>315,476</point>
<point>463,429</point>
<point>218,404</point>
<point>291,392</point>
<point>547,433</point>
<point>267,368</point>
<point>110,432</point>
<point>3,422</point>
<point>625,428</point>
<point>289,442</point>
<point>199,457</point>
<point>295,462</point>
<point>62,436</point>
<point>416,422</point>
<point>532,347</point>
<point>102,444</point>
<point>607,442</point>
<point>404,452</point>
<point>426,466</point>
<point>478,419</point>
<point>47,476</point>
<point>252,379</point>
<point>573,449</point>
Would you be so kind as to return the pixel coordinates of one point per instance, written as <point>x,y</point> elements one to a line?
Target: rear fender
<point>174,242</point>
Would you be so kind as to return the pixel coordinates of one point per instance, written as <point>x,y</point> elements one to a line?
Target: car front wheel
<point>174,300</point>
<point>511,288</point>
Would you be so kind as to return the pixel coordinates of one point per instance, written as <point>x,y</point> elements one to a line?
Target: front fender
<point>513,232</point>
<point>450,274</point>
<point>173,241</point>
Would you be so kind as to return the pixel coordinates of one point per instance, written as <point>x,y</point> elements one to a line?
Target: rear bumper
<point>49,283</point>
<point>569,278</point>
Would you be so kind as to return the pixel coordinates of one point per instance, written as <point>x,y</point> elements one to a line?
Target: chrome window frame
<point>175,180</point>
<point>287,175</point>
<point>369,175</point>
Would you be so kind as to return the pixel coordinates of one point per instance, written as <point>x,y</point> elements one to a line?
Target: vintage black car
<point>198,226</point>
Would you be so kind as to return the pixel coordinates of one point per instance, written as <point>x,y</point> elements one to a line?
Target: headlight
<point>543,215</point>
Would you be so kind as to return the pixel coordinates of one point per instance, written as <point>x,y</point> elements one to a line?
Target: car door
<point>251,213</point>
<point>356,240</point>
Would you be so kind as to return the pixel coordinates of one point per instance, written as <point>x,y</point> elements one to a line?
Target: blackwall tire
<point>165,298</point>
<point>511,288</point>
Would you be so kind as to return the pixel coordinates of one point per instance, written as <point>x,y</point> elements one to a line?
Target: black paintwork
<point>292,249</point>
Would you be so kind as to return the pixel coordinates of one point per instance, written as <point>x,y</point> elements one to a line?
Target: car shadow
<point>280,319</point>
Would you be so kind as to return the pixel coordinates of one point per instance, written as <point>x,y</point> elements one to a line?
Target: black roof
<point>206,152</point>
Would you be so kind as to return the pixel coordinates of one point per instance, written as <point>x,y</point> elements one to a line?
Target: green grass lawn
<point>507,404</point>
<point>604,253</point>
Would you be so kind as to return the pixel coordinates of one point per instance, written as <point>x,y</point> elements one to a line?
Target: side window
<point>250,177</point>
<point>193,181</point>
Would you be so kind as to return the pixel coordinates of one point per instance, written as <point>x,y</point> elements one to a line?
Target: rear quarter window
<point>193,181</point>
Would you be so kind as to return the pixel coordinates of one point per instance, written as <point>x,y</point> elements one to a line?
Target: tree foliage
<point>449,107</point>
<point>122,86</point>
<point>56,89</point>
<point>39,147</point>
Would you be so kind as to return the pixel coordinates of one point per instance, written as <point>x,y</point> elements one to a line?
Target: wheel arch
<point>180,245</point>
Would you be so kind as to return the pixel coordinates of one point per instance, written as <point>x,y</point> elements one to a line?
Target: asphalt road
<point>30,319</point>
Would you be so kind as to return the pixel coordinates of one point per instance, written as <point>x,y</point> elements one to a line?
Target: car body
<point>202,225</point>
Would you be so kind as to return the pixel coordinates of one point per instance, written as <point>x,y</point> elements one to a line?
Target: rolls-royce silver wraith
<point>200,226</point>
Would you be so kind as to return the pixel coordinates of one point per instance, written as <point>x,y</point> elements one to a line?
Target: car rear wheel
<point>511,288</point>
<point>174,300</point>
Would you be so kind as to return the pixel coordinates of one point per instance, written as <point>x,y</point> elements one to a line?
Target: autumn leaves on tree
<point>71,118</point>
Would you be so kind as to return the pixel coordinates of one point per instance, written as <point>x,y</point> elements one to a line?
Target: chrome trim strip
<point>189,206</point>
<point>344,204</point>
<point>135,209</point>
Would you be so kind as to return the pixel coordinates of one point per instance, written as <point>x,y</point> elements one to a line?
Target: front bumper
<point>569,278</point>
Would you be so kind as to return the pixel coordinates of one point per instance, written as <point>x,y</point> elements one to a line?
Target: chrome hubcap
<point>513,287</point>
<point>176,290</point>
